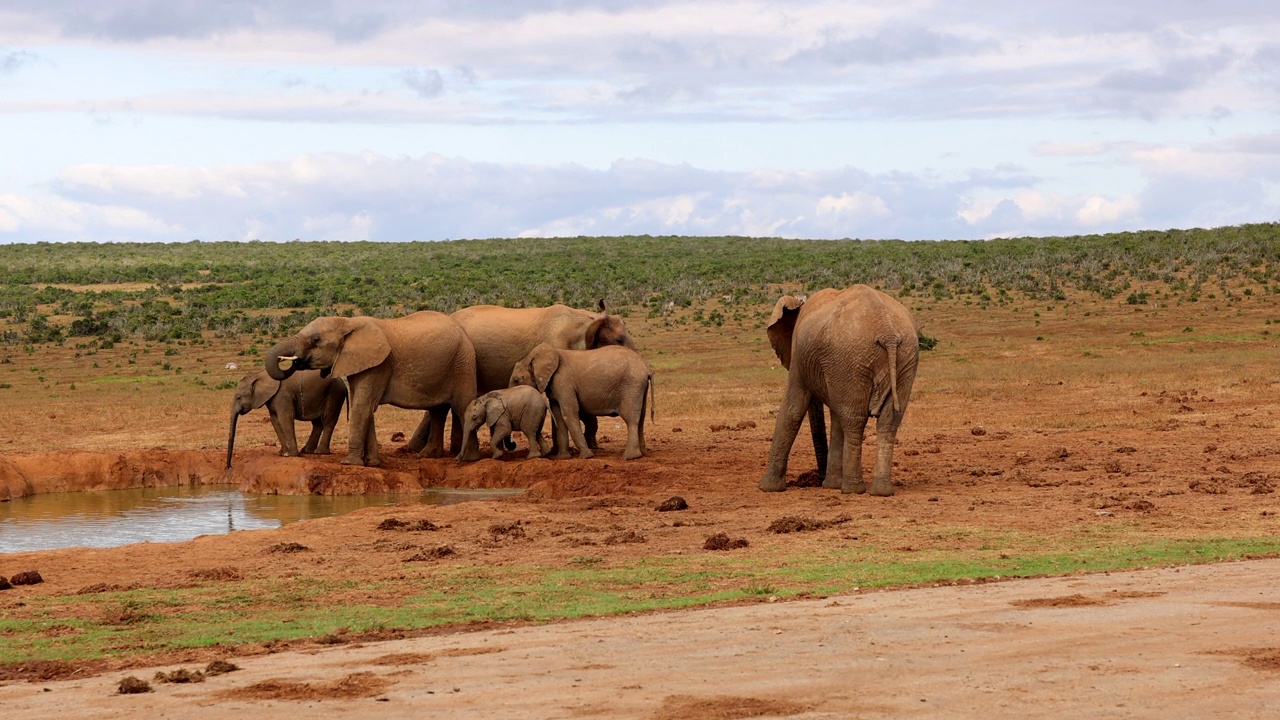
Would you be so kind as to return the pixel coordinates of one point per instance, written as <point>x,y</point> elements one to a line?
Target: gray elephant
<point>421,361</point>
<point>503,335</point>
<point>854,351</point>
<point>301,396</point>
<point>520,408</point>
<point>606,381</point>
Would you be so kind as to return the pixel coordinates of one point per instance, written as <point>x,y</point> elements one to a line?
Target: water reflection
<point>119,517</point>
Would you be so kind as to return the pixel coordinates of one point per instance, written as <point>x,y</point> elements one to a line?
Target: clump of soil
<point>513,530</point>
<point>422,525</point>
<point>1076,600</point>
<point>621,538</point>
<point>356,685</point>
<point>181,675</point>
<point>103,587</point>
<point>29,577</point>
<point>132,686</point>
<point>5,584</point>
<point>673,503</point>
<point>288,547</point>
<point>218,573</point>
<point>677,707</point>
<point>220,667</point>
<point>807,479</point>
<point>797,523</point>
<point>721,541</point>
<point>435,553</point>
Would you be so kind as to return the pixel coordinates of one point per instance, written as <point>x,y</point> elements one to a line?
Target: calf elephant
<point>520,408</point>
<point>854,351</point>
<point>503,335</point>
<point>606,381</point>
<point>302,396</point>
<point>421,361</point>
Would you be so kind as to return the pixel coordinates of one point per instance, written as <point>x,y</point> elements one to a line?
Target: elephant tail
<point>891,346</point>
<point>653,400</point>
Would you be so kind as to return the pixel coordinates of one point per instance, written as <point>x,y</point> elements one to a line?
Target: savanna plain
<point>1085,519</point>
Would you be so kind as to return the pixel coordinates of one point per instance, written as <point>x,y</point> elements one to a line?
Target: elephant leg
<point>283,425</point>
<point>833,473</point>
<point>633,415</point>
<point>317,429</point>
<point>590,424</point>
<point>560,432</point>
<point>819,434</point>
<point>372,458</point>
<point>886,437</point>
<point>531,426</point>
<point>790,414</point>
<point>434,447</point>
<point>330,421</point>
<point>421,434</point>
<point>852,471</point>
<point>456,437</point>
<point>569,410</point>
<point>364,400</point>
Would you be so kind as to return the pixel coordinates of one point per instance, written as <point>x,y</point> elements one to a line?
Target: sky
<point>175,120</point>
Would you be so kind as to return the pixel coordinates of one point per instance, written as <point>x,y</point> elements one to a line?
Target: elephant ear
<point>544,362</point>
<point>494,407</point>
<point>781,325</point>
<point>264,388</point>
<point>365,346</point>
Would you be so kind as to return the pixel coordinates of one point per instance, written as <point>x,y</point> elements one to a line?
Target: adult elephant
<point>421,361</point>
<point>854,351</point>
<point>302,396</point>
<point>502,336</point>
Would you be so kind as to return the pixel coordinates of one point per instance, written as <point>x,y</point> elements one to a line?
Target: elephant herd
<point>853,352</point>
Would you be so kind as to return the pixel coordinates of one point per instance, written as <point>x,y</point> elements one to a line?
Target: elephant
<point>610,380</point>
<point>520,408</point>
<point>302,396</point>
<point>503,335</point>
<point>422,361</point>
<point>854,351</point>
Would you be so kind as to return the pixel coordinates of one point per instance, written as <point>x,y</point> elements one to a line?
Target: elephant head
<point>537,368</point>
<point>488,410</point>
<point>254,391</point>
<point>339,346</point>
<point>606,329</point>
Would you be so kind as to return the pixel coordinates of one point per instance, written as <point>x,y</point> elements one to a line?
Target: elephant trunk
<point>469,430</point>
<point>818,430</point>
<point>279,360</point>
<point>231,436</point>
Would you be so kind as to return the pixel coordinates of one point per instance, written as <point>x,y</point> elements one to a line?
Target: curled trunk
<point>277,370</point>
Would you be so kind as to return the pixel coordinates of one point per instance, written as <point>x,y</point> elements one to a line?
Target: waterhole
<point>119,517</point>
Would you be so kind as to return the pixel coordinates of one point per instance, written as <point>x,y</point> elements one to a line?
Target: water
<point>119,517</point>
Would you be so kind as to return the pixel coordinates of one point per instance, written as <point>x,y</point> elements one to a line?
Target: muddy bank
<point>29,474</point>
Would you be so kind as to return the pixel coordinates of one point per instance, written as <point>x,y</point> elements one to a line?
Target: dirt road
<point>1200,641</point>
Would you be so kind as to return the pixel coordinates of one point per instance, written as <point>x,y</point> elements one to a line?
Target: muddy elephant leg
<point>317,429</point>
<point>499,432</point>
<point>455,435</point>
<point>372,458</point>
<point>326,435</point>
<point>569,411</point>
<point>283,425</point>
<point>790,414</point>
<point>851,472</point>
<point>559,433</point>
<point>833,472</point>
<point>434,447</point>
<point>421,434</point>
<point>590,425</point>
<point>886,437</point>
<point>363,403</point>
<point>818,431</point>
<point>532,429</point>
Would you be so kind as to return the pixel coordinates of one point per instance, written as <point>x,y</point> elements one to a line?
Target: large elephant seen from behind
<point>302,396</point>
<point>421,361</point>
<point>854,351</point>
<point>503,335</point>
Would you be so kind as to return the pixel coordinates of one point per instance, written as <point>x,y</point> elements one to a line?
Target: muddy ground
<point>1086,419</point>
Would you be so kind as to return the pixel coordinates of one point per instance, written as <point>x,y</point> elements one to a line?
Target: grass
<point>139,621</point>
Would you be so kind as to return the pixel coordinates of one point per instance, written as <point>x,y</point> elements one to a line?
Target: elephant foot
<point>432,453</point>
<point>353,459</point>
<point>854,488</point>
<point>562,455</point>
<point>882,489</point>
<point>632,455</point>
<point>585,454</point>
<point>773,484</point>
<point>833,483</point>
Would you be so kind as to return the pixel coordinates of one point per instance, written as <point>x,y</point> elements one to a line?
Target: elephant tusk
<point>286,361</point>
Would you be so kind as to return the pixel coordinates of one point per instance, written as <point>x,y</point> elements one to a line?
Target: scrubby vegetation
<point>50,293</point>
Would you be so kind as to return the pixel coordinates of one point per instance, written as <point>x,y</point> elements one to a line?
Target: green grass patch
<point>140,621</point>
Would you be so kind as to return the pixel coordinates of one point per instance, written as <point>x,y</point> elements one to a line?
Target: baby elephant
<point>610,380</point>
<point>301,396</point>
<point>520,408</point>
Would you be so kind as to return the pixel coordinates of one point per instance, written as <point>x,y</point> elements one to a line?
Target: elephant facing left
<point>422,361</point>
<point>302,396</point>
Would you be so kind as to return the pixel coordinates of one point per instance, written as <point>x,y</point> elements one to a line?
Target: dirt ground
<point>1053,422</point>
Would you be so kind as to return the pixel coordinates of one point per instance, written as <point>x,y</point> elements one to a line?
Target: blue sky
<point>171,120</point>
